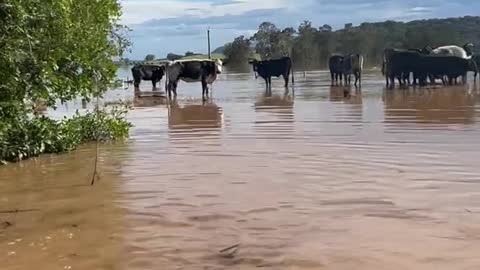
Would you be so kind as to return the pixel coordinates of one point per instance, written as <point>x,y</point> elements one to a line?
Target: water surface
<point>316,177</point>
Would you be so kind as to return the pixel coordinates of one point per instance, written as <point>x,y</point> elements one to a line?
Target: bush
<point>25,137</point>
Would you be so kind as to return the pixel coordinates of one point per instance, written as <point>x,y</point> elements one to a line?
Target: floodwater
<point>313,178</point>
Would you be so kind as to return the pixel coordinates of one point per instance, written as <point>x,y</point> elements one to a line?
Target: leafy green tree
<point>52,50</point>
<point>149,57</point>
<point>265,40</point>
<point>58,49</point>
<point>312,46</point>
<point>238,51</point>
<point>173,57</point>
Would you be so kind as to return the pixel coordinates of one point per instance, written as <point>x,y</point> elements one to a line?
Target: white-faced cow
<point>192,70</point>
<point>147,72</point>
<point>277,67</point>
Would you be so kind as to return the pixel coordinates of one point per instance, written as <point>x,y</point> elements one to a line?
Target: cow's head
<point>426,50</point>
<point>468,48</point>
<point>255,65</point>
<point>218,66</point>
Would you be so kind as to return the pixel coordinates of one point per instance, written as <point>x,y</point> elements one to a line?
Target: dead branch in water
<point>230,251</point>
<point>95,173</point>
<point>19,211</point>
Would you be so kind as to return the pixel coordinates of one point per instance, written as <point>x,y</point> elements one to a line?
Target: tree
<point>238,51</point>
<point>150,57</point>
<point>54,50</point>
<point>306,46</point>
<point>266,40</point>
<point>325,28</point>
<point>58,49</point>
<point>314,45</point>
<point>190,53</point>
<point>173,57</point>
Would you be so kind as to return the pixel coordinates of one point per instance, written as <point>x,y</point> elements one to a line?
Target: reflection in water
<point>150,99</point>
<point>195,119</point>
<point>452,105</point>
<point>315,182</point>
<point>277,104</point>
<point>274,115</point>
<point>350,96</point>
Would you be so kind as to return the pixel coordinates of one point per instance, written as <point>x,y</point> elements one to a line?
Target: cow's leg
<point>154,85</point>
<point>270,83</point>
<point>136,86</point>
<point>332,76</point>
<point>286,78</point>
<point>204,89</point>
<point>392,81</point>
<point>169,89</point>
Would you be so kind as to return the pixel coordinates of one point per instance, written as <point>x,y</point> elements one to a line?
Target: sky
<point>163,26</point>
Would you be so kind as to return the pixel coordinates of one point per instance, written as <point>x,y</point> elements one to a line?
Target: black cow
<point>353,64</point>
<point>445,67</point>
<point>152,73</point>
<point>277,67</point>
<point>476,59</point>
<point>404,75</point>
<point>398,65</point>
<point>335,63</point>
<point>204,71</point>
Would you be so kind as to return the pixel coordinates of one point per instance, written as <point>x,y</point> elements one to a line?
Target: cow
<point>399,64</point>
<point>353,64</point>
<point>202,70</point>
<point>276,67</point>
<point>451,50</point>
<point>145,72</point>
<point>476,59</point>
<point>404,76</point>
<point>448,68</point>
<point>335,63</point>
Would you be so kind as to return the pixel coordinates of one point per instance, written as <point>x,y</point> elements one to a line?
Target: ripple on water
<point>317,177</point>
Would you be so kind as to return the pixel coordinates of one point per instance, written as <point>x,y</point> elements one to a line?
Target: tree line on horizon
<point>311,46</point>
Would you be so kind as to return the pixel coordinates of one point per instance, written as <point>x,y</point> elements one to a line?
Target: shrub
<point>24,137</point>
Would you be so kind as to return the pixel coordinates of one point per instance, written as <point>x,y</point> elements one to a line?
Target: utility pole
<point>208,37</point>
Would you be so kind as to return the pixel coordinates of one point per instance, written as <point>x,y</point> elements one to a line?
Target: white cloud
<point>139,11</point>
<point>421,9</point>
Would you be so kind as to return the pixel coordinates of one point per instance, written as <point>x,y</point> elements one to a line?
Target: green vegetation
<point>56,50</point>
<point>149,57</point>
<point>24,137</point>
<point>311,46</point>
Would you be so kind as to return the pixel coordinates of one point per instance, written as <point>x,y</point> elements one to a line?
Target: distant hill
<point>219,50</point>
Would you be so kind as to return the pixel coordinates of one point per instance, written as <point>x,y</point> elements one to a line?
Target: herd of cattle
<point>446,63</point>
<point>204,71</point>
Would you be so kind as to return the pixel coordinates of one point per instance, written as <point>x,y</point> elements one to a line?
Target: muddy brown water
<point>316,178</point>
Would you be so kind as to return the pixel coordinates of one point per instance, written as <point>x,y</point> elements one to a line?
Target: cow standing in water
<point>152,73</point>
<point>277,67</point>
<point>335,64</point>
<point>204,71</point>
<point>353,64</point>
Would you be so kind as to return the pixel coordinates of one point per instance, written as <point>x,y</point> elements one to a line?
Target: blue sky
<point>163,26</point>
